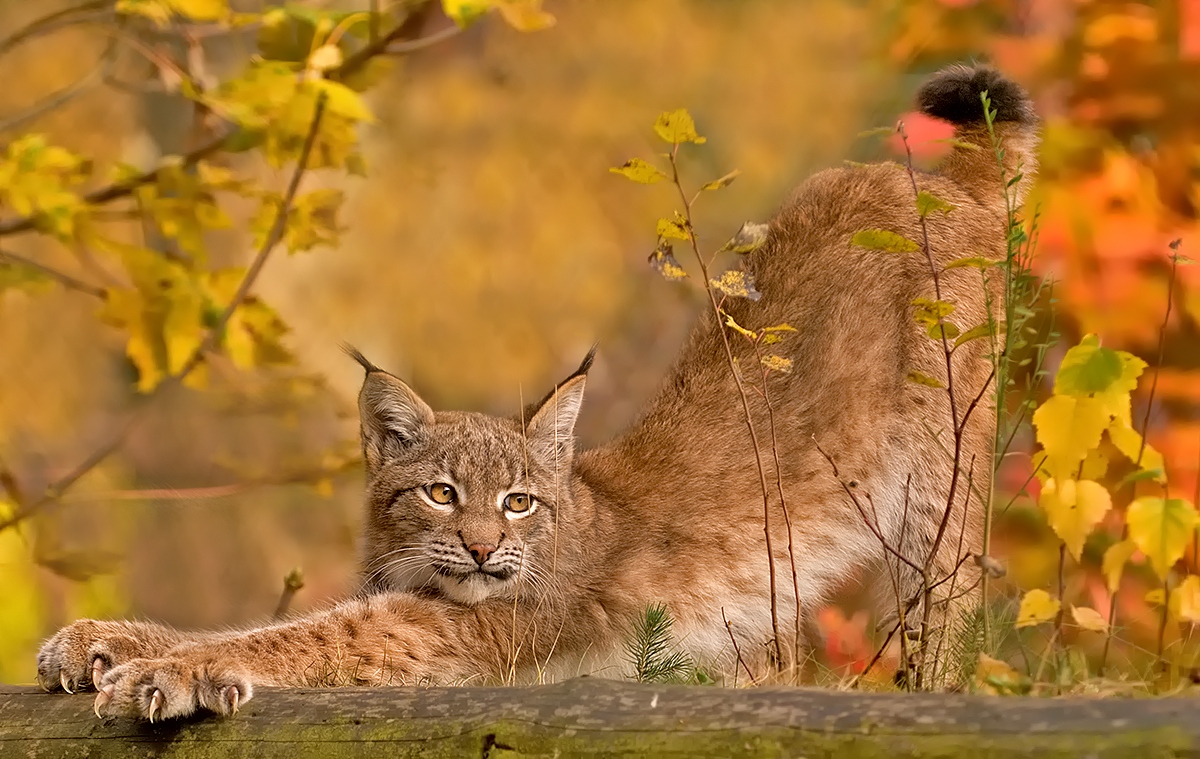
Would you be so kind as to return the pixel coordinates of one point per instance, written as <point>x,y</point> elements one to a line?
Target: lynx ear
<point>553,423</point>
<point>392,416</point>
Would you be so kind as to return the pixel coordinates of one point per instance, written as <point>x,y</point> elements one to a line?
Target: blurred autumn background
<point>486,246</point>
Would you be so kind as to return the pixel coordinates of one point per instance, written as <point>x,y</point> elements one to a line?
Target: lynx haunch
<point>495,551</point>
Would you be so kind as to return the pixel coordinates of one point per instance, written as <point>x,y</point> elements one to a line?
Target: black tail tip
<point>357,355</point>
<point>953,94</point>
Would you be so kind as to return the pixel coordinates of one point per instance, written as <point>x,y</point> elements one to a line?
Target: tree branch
<point>55,491</point>
<point>66,280</point>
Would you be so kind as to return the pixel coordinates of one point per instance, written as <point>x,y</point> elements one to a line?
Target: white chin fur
<point>473,589</point>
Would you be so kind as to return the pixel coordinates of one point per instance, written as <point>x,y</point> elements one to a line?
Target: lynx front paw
<point>158,689</point>
<point>79,654</point>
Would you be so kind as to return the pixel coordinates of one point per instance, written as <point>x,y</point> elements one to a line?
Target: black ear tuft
<point>357,355</point>
<point>953,94</point>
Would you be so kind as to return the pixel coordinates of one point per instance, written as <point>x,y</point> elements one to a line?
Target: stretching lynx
<point>495,550</point>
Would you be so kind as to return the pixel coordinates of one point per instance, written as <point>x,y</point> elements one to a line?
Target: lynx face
<point>469,510</point>
<point>463,503</point>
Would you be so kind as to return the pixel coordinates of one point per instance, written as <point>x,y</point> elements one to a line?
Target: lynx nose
<point>481,551</point>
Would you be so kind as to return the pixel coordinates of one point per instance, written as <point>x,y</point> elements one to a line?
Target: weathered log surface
<point>599,718</point>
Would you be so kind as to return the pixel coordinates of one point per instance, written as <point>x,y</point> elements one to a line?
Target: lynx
<point>495,551</point>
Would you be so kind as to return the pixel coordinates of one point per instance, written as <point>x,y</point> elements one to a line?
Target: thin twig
<point>94,76</point>
<point>737,378</point>
<point>79,14</point>
<point>1162,339</point>
<point>787,518</point>
<point>737,651</point>
<point>55,491</point>
<point>66,280</point>
<point>352,64</point>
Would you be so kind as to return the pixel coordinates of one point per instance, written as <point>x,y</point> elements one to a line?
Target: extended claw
<point>233,697</point>
<point>62,679</point>
<point>97,672</point>
<point>155,703</point>
<point>102,698</point>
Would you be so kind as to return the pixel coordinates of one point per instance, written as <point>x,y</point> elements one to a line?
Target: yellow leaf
<point>1156,597</point>
<point>1185,600</point>
<point>1114,563</point>
<point>736,284</point>
<point>1068,428</point>
<point>1037,607</point>
<point>465,12</point>
<point>201,10</point>
<point>997,677</point>
<point>724,181</point>
<point>126,309</point>
<point>524,15</point>
<point>777,363</point>
<point>676,127</point>
<point>642,172</point>
<point>673,228</point>
<point>749,238</point>
<point>1073,510</point>
<point>343,101</point>
<point>1089,619</point>
<point>918,378</point>
<point>1161,528</point>
<point>749,333</point>
<point>664,262</point>
<point>1129,442</point>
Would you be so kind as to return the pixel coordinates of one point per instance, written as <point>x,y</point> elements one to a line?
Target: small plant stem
<point>736,650</point>
<point>782,502</point>
<point>1162,339</point>
<point>293,583</point>
<point>1163,664</point>
<point>1062,610</point>
<point>737,378</point>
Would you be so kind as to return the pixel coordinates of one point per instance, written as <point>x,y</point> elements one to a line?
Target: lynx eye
<point>441,493</point>
<point>518,504</point>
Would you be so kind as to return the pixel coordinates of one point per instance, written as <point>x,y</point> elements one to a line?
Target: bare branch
<point>95,75</point>
<point>55,491</point>
<point>66,280</point>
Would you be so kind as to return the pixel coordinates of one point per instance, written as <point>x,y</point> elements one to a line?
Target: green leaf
<point>677,127</point>
<point>974,333</point>
<point>918,378</point>
<point>928,203</point>
<point>944,330</point>
<point>877,132</point>
<point>1089,368</point>
<point>724,181</point>
<point>663,261</point>
<point>642,172</point>
<point>748,239</point>
<point>737,284</point>
<point>929,312</point>
<point>881,239</point>
<point>1141,476</point>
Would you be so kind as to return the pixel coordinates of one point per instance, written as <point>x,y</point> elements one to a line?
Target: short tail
<point>954,94</point>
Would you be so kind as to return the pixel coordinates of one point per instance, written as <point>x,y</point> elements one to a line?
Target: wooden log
<point>600,718</point>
